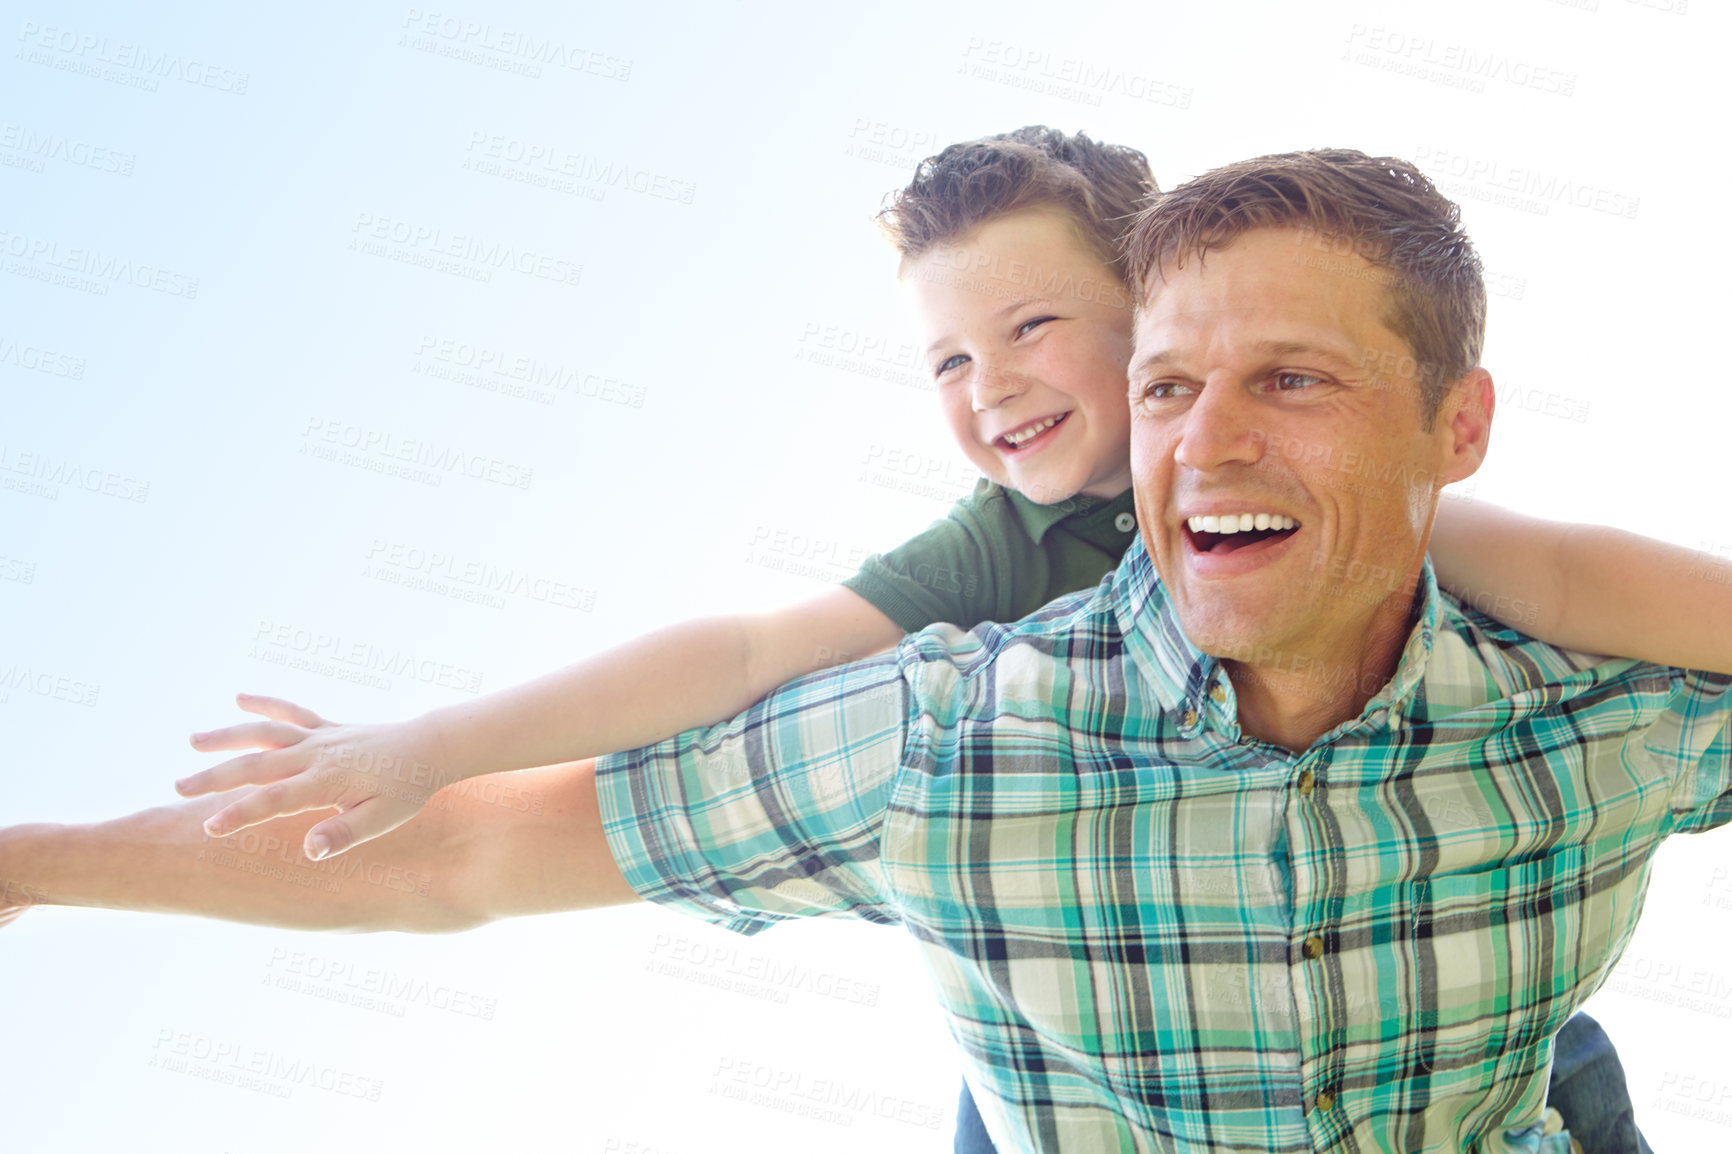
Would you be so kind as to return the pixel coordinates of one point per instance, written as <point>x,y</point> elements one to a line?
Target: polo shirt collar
<point>1181,674</point>
<point>1036,518</point>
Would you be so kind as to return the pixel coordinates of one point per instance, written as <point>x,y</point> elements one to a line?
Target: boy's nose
<point>992,387</point>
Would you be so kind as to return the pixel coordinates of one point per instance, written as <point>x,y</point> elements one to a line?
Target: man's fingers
<point>279,710</point>
<point>250,735</point>
<point>248,769</point>
<point>264,803</point>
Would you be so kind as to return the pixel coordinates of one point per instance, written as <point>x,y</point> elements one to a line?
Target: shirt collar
<point>1181,674</point>
<point>1036,518</point>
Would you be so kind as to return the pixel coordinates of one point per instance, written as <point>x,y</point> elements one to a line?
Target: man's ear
<point>1464,425</point>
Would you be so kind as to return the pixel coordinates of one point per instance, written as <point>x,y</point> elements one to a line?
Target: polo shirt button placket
<point>1124,522</point>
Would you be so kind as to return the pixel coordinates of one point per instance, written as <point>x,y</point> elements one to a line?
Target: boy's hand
<point>376,776</point>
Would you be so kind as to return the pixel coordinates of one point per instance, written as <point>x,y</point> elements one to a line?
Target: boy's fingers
<point>279,710</point>
<point>330,838</point>
<point>250,735</point>
<point>279,800</point>
<point>248,769</point>
<point>362,822</point>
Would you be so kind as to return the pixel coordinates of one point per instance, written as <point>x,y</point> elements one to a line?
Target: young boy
<point>1009,245</point>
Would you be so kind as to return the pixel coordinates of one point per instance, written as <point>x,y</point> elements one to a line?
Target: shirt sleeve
<point>776,814</point>
<point>1694,734</point>
<point>956,570</point>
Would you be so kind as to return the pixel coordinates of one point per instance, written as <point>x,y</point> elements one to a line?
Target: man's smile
<point>1226,544</point>
<point>1227,532</point>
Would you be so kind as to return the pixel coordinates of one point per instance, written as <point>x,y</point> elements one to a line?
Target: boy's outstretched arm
<point>377,776</point>
<point>1587,587</point>
<point>497,846</point>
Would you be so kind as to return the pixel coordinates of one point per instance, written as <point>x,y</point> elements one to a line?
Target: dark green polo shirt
<point>997,556</point>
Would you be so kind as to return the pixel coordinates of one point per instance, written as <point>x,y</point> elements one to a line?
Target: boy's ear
<point>1464,424</point>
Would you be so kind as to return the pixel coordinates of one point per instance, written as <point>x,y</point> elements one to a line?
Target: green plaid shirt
<point>1152,932</point>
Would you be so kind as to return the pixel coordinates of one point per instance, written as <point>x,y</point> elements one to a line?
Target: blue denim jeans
<point>1587,1088</point>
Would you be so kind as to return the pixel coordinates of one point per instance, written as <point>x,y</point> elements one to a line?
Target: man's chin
<point>1244,635</point>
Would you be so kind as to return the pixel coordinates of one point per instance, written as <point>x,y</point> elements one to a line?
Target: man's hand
<point>510,844</point>
<point>15,899</point>
<point>376,776</point>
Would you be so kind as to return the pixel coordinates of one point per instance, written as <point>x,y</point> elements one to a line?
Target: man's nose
<point>992,386</point>
<point>1220,429</point>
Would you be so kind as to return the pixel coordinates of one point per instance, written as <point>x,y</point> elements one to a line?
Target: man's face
<point>1256,389</point>
<point>1027,333</point>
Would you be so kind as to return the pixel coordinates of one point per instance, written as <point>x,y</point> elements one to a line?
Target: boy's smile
<point>1027,335</point>
<point>1029,435</point>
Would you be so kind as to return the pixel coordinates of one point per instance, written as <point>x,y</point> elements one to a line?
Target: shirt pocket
<point>1496,955</point>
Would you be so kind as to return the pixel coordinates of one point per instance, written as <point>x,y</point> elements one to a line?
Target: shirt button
<point>1218,694</point>
<point>1124,522</point>
<point>1314,949</point>
<point>1325,1100</point>
<point>1190,718</point>
<point>1307,780</point>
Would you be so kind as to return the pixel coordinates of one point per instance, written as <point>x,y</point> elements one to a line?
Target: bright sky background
<point>738,422</point>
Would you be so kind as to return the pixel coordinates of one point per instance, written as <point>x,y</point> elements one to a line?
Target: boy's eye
<point>1293,382</point>
<point>949,363</point>
<point>1030,324</point>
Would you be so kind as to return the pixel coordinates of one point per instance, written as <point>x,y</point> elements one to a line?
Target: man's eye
<point>1029,325</point>
<point>1163,390</point>
<point>1293,382</point>
<point>949,363</point>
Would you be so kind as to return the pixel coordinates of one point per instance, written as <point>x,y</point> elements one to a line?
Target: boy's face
<point>1027,333</point>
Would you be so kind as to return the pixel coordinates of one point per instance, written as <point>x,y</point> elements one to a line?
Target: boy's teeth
<point>1032,431</point>
<point>1240,523</point>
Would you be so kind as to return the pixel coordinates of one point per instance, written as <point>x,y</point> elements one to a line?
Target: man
<point>1283,852</point>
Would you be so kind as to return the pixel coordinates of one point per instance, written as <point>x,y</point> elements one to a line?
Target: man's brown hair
<point>1340,201</point>
<point>1100,185</point>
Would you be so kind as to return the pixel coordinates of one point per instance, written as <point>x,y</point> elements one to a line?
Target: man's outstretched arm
<point>500,845</point>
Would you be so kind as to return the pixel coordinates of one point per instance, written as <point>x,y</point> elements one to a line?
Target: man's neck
<point>1295,700</point>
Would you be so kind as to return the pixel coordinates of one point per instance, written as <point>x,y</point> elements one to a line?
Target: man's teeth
<point>1031,432</point>
<point>1240,523</point>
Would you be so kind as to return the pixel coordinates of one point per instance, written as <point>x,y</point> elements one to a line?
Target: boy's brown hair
<point>1339,202</point>
<point>1100,185</point>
